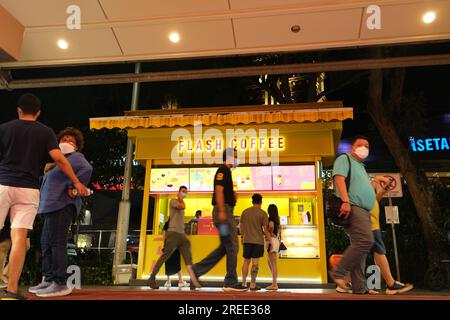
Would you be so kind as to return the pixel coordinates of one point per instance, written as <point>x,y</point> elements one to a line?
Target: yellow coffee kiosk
<point>281,150</point>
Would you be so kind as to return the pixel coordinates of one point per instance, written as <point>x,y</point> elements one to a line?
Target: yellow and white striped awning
<point>267,114</point>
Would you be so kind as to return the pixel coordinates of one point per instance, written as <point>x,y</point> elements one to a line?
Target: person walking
<point>381,185</point>
<point>173,264</point>
<point>175,239</point>
<point>59,207</point>
<point>272,250</point>
<point>253,226</point>
<point>224,200</point>
<point>25,144</point>
<point>5,245</point>
<point>358,199</point>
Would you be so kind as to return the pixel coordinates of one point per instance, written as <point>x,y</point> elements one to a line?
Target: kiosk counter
<point>282,149</point>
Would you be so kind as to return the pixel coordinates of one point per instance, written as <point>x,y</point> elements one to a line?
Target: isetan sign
<point>430,144</point>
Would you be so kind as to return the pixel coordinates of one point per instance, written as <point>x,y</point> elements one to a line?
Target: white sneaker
<point>347,290</point>
<point>3,284</point>
<point>168,284</point>
<point>40,286</point>
<point>183,284</point>
<point>55,290</point>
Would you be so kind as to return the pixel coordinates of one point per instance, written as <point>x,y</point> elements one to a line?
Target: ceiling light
<point>429,17</point>
<point>174,37</point>
<point>62,44</point>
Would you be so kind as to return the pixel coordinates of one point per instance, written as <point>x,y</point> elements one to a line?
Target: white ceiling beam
<point>365,64</point>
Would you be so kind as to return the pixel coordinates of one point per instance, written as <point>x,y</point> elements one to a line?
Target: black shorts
<point>378,245</point>
<point>252,250</point>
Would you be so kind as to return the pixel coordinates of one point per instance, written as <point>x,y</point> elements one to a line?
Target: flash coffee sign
<point>430,144</point>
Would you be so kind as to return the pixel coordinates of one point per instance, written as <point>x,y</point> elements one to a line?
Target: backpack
<point>333,205</point>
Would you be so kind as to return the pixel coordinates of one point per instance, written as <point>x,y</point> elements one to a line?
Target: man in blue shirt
<point>358,199</point>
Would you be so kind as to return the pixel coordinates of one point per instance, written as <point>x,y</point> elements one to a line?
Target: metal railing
<point>97,239</point>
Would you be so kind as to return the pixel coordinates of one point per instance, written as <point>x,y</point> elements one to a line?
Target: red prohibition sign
<point>394,182</point>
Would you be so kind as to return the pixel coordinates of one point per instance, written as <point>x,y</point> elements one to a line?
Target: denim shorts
<point>378,246</point>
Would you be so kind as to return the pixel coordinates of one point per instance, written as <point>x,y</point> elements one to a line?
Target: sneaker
<point>399,287</point>
<point>54,290</point>
<point>256,288</point>
<point>235,288</point>
<point>183,284</point>
<point>348,288</point>
<point>152,282</point>
<point>42,285</point>
<point>340,283</point>
<point>168,284</point>
<point>6,295</point>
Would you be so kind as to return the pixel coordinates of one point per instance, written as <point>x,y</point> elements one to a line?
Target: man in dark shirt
<point>25,145</point>
<point>224,200</point>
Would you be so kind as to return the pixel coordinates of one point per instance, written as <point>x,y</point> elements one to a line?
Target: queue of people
<point>255,229</point>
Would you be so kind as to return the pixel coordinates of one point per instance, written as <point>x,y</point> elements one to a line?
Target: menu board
<point>252,178</point>
<point>202,179</point>
<point>293,178</point>
<point>169,179</point>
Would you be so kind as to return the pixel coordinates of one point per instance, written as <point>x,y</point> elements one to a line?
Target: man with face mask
<point>357,200</point>
<point>60,207</point>
<point>176,239</point>
<point>224,201</point>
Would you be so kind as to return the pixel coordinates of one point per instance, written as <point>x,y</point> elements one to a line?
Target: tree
<point>386,107</point>
<point>383,108</point>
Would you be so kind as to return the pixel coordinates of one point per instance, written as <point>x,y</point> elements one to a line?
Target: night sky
<point>73,106</point>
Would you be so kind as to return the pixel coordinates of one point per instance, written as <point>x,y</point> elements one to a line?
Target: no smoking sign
<point>395,190</point>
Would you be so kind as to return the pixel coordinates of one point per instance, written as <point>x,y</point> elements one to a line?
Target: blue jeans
<point>54,244</point>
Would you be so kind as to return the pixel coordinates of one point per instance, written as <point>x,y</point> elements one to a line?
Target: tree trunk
<point>422,194</point>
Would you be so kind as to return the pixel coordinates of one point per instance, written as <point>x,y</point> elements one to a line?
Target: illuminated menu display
<point>252,178</point>
<point>263,178</point>
<point>169,179</point>
<point>202,179</point>
<point>293,178</point>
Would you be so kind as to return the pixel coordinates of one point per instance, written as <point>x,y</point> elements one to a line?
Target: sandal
<point>271,288</point>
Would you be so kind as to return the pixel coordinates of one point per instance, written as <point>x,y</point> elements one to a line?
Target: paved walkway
<point>144,293</point>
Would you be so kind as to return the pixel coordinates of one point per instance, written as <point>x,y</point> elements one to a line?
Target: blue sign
<point>429,144</point>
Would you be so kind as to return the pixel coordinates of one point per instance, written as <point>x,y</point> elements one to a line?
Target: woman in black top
<point>273,227</point>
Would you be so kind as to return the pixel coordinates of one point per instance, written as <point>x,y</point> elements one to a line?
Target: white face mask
<point>66,147</point>
<point>183,195</point>
<point>362,152</point>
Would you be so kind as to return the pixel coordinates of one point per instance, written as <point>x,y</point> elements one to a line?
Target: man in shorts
<point>25,145</point>
<point>253,226</point>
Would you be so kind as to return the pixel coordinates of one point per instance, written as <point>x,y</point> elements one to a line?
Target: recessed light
<point>174,37</point>
<point>429,17</point>
<point>296,28</point>
<point>62,44</point>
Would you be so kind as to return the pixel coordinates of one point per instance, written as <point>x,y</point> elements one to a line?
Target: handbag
<point>282,247</point>
<point>333,206</point>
